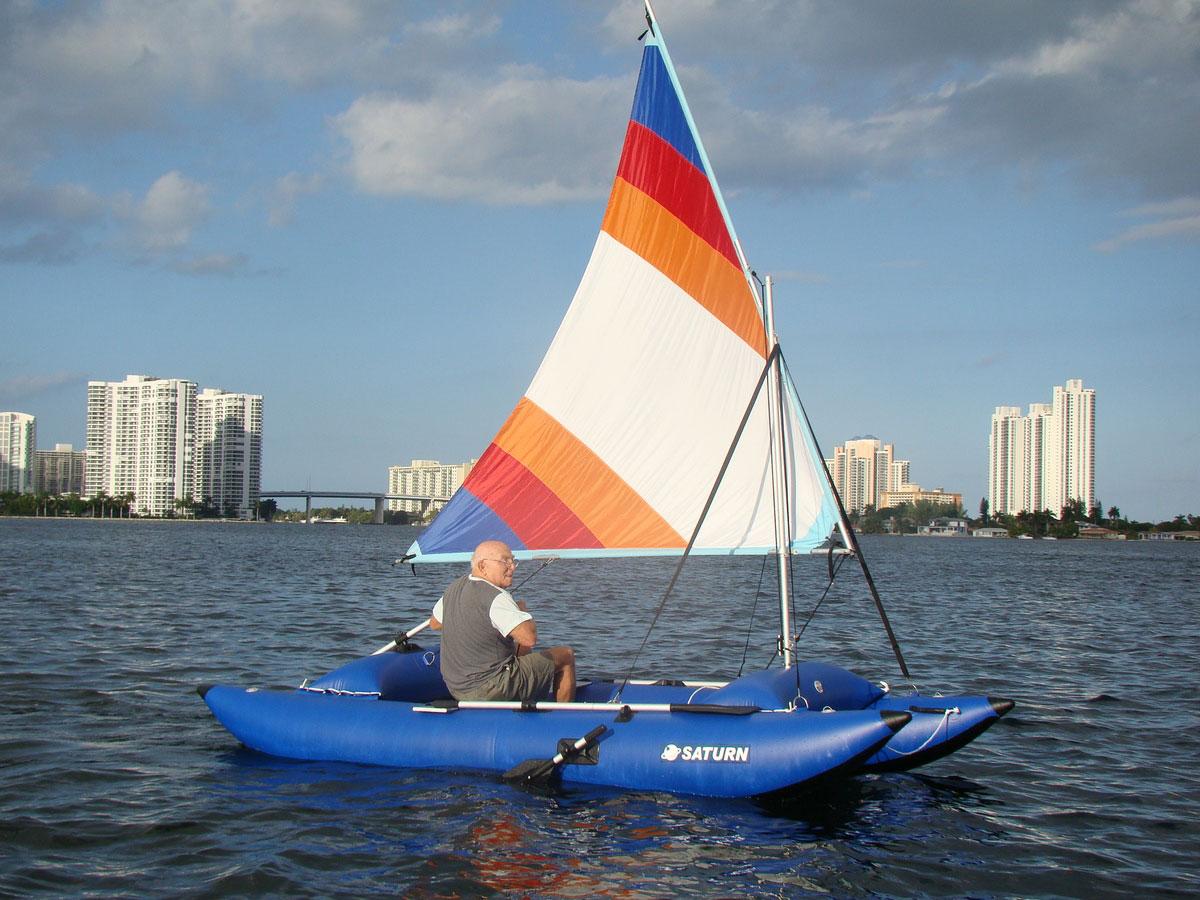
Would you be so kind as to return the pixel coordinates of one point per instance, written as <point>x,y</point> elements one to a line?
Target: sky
<point>375,213</point>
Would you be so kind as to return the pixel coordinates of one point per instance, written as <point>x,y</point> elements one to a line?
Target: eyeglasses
<point>507,561</point>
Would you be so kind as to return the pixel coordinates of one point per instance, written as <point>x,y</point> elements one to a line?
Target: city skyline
<point>960,203</point>
<point>163,440</point>
<point>863,468</point>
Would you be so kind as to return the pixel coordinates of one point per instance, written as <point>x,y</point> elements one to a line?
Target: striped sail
<point>619,441</point>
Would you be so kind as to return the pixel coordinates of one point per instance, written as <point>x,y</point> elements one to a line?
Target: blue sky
<point>375,213</point>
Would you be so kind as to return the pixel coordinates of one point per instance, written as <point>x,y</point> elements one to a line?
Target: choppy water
<point>115,780</point>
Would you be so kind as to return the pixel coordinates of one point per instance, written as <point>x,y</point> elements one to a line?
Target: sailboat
<point>662,421</point>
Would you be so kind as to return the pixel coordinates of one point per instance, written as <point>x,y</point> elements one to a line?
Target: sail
<point>618,443</point>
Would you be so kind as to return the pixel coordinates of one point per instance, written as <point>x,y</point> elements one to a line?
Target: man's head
<point>493,561</point>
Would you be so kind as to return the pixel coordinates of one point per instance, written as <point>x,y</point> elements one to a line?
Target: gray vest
<point>472,649</point>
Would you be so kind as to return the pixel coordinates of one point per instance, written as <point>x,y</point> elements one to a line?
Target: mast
<point>779,478</point>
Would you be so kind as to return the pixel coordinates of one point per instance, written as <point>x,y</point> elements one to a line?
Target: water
<point>116,781</point>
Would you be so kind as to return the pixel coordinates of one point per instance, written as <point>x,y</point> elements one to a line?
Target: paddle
<point>540,769</point>
<point>390,644</point>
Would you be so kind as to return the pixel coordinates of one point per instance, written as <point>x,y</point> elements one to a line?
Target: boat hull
<point>769,733</point>
<point>763,753</point>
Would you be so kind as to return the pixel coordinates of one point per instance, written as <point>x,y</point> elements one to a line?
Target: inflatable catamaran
<point>662,420</point>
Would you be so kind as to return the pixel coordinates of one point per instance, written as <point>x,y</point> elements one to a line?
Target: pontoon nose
<point>1001,704</point>
<point>894,719</point>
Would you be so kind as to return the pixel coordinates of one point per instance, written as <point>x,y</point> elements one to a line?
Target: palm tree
<point>1113,515</point>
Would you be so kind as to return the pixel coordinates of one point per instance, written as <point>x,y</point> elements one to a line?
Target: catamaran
<point>662,421</point>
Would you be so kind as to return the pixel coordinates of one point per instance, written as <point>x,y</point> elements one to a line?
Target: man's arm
<point>525,636</point>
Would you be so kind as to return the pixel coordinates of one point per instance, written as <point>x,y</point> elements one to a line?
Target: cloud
<point>212,264</point>
<point>25,387</point>
<point>439,103</point>
<point>523,139</point>
<point>45,248</point>
<point>1177,220</point>
<point>287,193</point>
<point>165,218</point>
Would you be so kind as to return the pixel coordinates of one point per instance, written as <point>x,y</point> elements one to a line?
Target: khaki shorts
<point>527,677</point>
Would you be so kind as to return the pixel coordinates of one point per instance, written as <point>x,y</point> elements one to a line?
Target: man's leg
<point>564,673</point>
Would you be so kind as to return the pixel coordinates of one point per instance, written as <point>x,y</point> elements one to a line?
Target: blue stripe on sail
<point>463,525</point>
<point>657,106</point>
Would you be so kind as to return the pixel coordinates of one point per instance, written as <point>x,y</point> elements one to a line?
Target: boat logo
<point>706,753</point>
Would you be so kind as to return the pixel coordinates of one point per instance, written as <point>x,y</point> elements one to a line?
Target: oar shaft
<point>390,644</point>
<point>573,706</point>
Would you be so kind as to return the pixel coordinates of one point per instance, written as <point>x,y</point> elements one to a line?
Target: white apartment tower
<point>1042,460</point>
<point>228,455</point>
<point>426,478</point>
<point>863,469</point>
<point>141,440</point>
<point>18,440</point>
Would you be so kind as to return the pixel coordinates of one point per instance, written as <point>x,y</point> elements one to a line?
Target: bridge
<point>425,499</point>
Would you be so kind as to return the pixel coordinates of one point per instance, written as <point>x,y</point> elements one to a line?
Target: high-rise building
<point>18,439</point>
<point>228,457</point>
<point>61,470</point>
<point>863,469</point>
<point>426,478</point>
<point>141,436</point>
<point>1047,458</point>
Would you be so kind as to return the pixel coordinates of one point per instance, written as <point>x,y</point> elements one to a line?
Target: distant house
<point>1169,535</point>
<point>1096,533</point>
<point>990,532</point>
<point>944,527</point>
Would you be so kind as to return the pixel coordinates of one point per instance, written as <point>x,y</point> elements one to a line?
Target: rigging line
<point>737,437</point>
<point>762,573</point>
<point>532,574</point>
<point>848,532</point>
<point>824,595</point>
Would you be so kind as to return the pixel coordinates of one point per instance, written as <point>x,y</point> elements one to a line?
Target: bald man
<point>488,637</point>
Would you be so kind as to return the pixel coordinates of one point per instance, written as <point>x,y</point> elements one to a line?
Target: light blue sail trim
<point>654,38</point>
<point>800,546</point>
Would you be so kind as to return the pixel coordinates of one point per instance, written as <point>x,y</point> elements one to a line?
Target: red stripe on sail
<point>657,169</point>
<point>525,504</point>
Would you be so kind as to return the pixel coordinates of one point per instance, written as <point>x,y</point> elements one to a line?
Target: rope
<point>945,719</point>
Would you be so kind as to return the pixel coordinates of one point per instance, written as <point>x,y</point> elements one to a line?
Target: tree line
<point>104,506</point>
<point>907,518</point>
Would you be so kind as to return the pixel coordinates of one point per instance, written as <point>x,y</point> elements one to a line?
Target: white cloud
<point>171,210</point>
<point>1175,220</point>
<point>522,139</point>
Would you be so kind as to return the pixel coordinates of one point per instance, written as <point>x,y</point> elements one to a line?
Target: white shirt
<point>504,613</point>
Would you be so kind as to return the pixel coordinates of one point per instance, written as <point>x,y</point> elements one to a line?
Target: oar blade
<point>533,771</point>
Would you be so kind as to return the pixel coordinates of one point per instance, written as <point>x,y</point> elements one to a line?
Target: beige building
<point>426,478</point>
<point>863,469</point>
<point>912,493</point>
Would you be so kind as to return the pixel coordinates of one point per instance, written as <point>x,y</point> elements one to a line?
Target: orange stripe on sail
<point>610,508</point>
<point>641,224</point>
